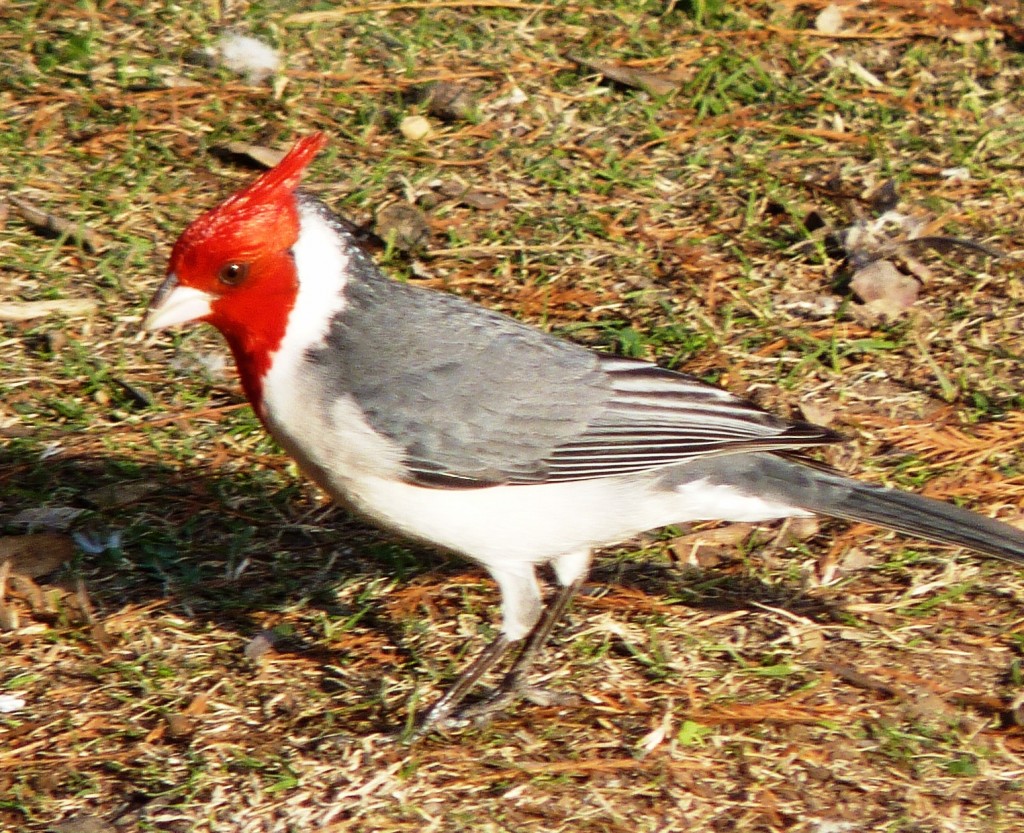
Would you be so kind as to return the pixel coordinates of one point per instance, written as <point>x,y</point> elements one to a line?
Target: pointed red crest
<point>280,180</point>
<point>260,217</point>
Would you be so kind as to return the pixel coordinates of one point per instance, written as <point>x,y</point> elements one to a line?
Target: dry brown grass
<point>243,657</point>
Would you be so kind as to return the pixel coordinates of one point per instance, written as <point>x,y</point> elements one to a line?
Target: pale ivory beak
<point>175,304</point>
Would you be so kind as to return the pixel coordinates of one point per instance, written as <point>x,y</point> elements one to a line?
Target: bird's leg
<point>514,685</point>
<point>441,713</point>
<point>523,610</point>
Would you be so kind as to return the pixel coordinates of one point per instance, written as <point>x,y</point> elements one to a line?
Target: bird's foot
<point>483,712</point>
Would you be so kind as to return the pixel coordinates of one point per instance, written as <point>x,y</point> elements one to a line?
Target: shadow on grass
<point>233,550</point>
<point>218,548</point>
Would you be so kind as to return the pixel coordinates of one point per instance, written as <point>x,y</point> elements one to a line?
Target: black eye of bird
<point>233,273</point>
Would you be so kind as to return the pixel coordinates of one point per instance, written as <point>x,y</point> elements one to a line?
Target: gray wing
<point>472,397</point>
<point>656,417</point>
<point>475,398</point>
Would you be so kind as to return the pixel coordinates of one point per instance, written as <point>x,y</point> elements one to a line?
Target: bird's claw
<point>480,714</point>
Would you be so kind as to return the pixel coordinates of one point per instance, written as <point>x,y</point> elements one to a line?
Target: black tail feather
<point>930,519</point>
<point>826,492</point>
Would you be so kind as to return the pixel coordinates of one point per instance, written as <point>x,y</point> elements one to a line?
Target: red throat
<point>254,323</point>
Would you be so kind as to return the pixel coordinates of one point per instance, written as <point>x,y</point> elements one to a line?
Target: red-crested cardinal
<point>461,427</point>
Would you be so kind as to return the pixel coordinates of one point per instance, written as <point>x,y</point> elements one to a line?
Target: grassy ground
<point>224,651</point>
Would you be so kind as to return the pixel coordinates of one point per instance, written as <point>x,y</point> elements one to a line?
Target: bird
<point>463,428</point>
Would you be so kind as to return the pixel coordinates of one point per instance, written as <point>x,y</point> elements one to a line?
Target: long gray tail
<point>826,492</point>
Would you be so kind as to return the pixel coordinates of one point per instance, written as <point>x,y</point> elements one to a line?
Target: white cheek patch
<point>322,264</point>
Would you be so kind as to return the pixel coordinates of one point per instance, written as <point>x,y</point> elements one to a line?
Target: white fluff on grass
<point>10,704</point>
<point>248,56</point>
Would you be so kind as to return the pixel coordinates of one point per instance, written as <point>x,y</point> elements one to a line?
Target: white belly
<point>539,523</point>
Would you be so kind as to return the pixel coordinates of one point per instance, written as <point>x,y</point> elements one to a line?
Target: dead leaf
<point>856,69</point>
<point>402,225</point>
<point>179,725</point>
<point>53,224</point>
<point>801,529</point>
<point>83,824</point>
<point>629,76</point>
<point>474,199</point>
<point>446,100</point>
<point>200,703</point>
<point>47,517</point>
<point>969,36</point>
<point>700,548</point>
<point>416,128</point>
<point>10,704</point>
<point>260,645</point>
<point>260,154</point>
<point>819,413</point>
<point>120,494</point>
<point>885,290</point>
<point>27,310</point>
<point>37,554</point>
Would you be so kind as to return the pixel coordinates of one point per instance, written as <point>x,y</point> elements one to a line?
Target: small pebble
<point>415,128</point>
